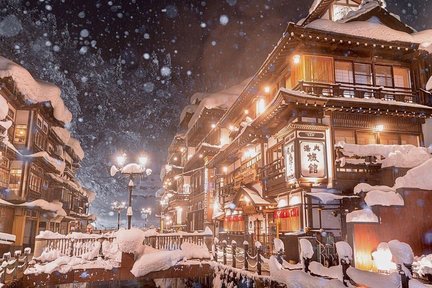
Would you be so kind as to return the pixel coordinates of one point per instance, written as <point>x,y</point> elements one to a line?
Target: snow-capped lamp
<point>131,170</point>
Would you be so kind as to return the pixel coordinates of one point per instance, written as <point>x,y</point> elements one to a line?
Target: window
<point>410,139</point>
<point>35,182</point>
<point>347,136</point>
<point>389,138</point>
<point>4,178</point>
<point>364,138</point>
<point>20,134</point>
<point>402,78</point>
<point>344,72</point>
<point>383,76</point>
<point>39,122</point>
<point>363,73</point>
<point>319,69</point>
<point>15,176</point>
<point>39,140</point>
<point>45,127</point>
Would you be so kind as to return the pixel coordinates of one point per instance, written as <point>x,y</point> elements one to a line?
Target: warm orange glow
<point>260,106</point>
<point>267,89</point>
<point>296,59</point>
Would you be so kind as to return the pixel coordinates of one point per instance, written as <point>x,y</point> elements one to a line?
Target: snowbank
<point>382,258</point>
<point>334,272</point>
<point>193,251</point>
<point>297,279</point>
<point>402,252</point>
<point>423,265</point>
<point>35,91</point>
<point>327,197</point>
<point>131,240</point>
<point>362,216</point>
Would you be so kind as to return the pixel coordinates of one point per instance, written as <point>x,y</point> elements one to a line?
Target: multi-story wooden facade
<point>39,160</point>
<point>349,72</point>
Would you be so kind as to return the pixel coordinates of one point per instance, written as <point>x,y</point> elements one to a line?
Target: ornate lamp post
<point>146,212</point>
<point>118,206</point>
<point>130,170</point>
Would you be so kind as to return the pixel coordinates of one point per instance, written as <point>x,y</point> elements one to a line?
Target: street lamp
<point>131,170</point>
<point>146,212</point>
<point>118,206</point>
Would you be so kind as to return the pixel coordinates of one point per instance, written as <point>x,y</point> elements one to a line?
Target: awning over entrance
<point>249,195</point>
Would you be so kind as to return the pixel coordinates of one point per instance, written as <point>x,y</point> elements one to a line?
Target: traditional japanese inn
<point>340,108</point>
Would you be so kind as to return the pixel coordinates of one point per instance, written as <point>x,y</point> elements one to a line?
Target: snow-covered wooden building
<point>39,159</point>
<point>341,100</point>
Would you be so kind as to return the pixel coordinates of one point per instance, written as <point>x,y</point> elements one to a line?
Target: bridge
<point>110,259</point>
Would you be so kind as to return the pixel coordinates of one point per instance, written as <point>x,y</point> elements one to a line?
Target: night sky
<point>127,68</point>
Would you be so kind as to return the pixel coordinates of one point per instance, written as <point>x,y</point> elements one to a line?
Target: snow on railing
<point>173,241</point>
<point>13,267</point>
<point>75,244</point>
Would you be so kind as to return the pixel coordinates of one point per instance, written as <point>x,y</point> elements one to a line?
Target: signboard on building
<point>289,152</point>
<point>312,158</point>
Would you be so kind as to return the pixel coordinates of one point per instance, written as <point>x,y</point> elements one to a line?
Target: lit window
<point>402,78</point>
<point>383,76</point>
<point>20,134</point>
<point>15,179</point>
<point>363,73</point>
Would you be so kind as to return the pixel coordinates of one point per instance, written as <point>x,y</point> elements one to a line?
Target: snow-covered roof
<point>61,133</point>
<point>75,145</point>
<point>35,91</point>
<point>402,156</point>
<point>198,97</point>
<point>255,197</point>
<point>58,164</point>
<point>187,109</point>
<point>373,30</point>
<point>327,197</point>
<point>221,99</point>
<point>429,83</point>
<point>3,108</point>
<point>55,206</point>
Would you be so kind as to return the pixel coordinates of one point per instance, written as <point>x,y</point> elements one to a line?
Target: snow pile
<point>278,245</point>
<point>382,258</point>
<point>64,264</point>
<point>344,251</point>
<point>428,84</point>
<point>219,100</point>
<point>362,216</point>
<point>376,197</point>
<point>418,177</point>
<point>423,265</point>
<point>54,206</point>
<point>35,91</point>
<point>402,252</point>
<point>93,251</point>
<point>334,272</point>
<point>296,279</point>
<point>50,235</point>
<point>48,255</point>
<point>155,260</point>
<point>374,280</point>
<point>194,251</point>
<point>403,156</point>
<point>131,240</point>
<point>327,197</point>
<point>58,164</point>
<point>306,249</point>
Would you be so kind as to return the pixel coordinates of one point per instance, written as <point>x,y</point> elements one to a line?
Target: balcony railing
<point>343,90</point>
<point>273,175</point>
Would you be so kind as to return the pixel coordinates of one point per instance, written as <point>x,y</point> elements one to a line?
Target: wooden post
<point>404,278</point>
<point>233,247</point>
<point>224,244</point>
<point>259,260</point>
<point>345,266</point>
<point>246,248</point>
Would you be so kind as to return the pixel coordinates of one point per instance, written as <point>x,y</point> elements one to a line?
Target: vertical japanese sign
<point>312,159</point>
<point>289,153</point>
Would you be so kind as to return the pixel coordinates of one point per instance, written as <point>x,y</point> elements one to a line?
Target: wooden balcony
<point>341,90</point>
<point>273,175</point>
